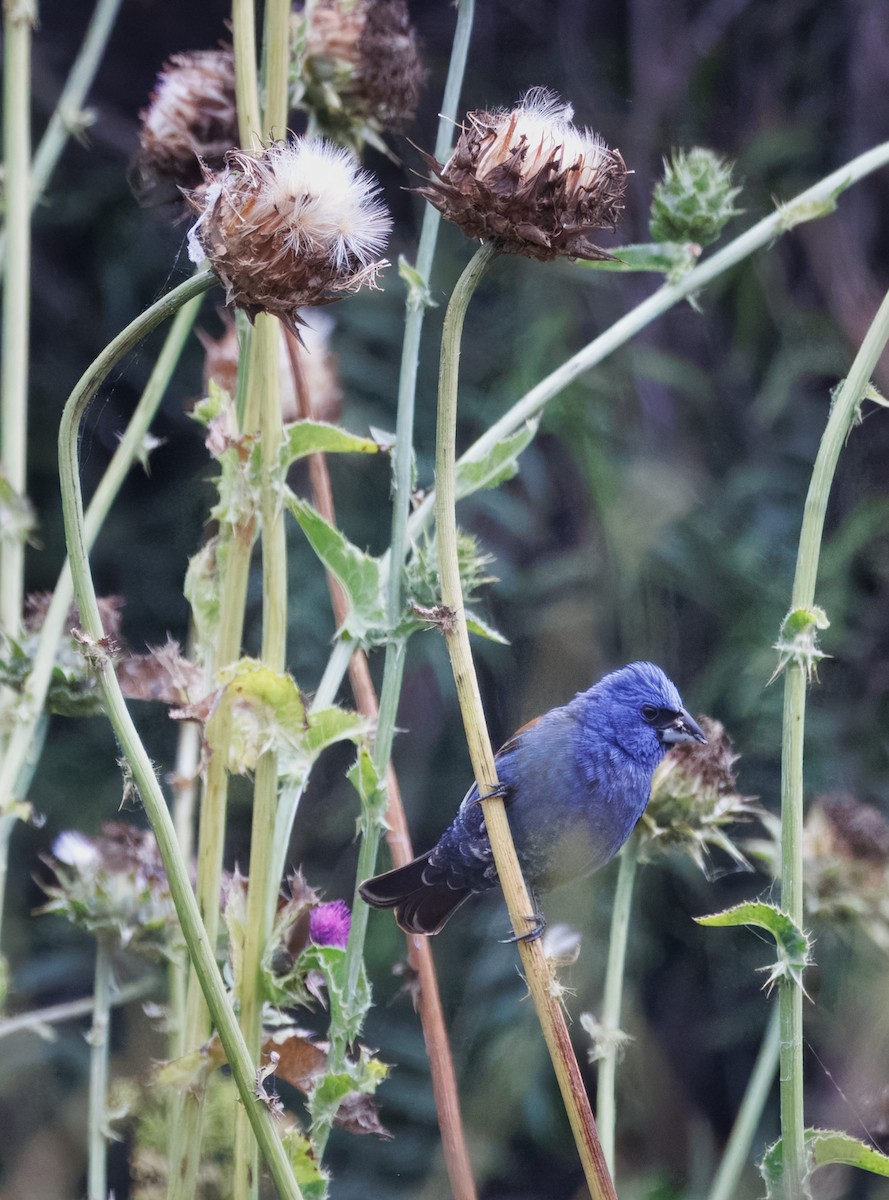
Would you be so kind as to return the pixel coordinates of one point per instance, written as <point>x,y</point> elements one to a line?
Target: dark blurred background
<point>655,515</point>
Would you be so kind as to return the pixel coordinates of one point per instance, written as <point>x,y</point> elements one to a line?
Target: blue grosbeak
<point>575,782</point>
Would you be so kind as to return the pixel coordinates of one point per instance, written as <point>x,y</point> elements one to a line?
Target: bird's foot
<point>500,792</point>
<point>537,922</point>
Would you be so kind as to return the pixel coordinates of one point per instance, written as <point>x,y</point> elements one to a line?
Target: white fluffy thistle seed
<point>294,226</point>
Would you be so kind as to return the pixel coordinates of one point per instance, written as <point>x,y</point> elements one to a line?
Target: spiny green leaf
<point>823,1148</point>
<point>661,258</point>
<point>481,628</point>
<point>302,438</point>
<point>488,470</point>
<point>793,945</point>
<point>313,1180</point>
<point>418,294</point>
<point>371,788</point>
<point>358,573</point>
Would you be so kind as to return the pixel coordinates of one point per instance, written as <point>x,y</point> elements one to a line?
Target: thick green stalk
<point>611,1005</point>
<point>806,206</point>
<point>518,900</point>
<point>737,1150</point>
<point>842,416</point>
<point>97,1163</point>
<point>263,885</point>
<point>276,67</point>
<point>18,19</point>
<point>246,78</point>
<point>201,949</point>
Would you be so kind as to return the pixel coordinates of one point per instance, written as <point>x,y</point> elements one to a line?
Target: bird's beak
<point>682,729</point>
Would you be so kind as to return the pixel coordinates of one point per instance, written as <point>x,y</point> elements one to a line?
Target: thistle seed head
<point>360,66</point>
<point>192,119</point>
<point>296,225</point>
<point>531,180</point>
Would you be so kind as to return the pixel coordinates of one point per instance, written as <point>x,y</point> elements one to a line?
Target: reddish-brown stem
<point>426,996</point>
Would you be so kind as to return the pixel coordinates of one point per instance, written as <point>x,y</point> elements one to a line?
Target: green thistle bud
<point>694,200</point>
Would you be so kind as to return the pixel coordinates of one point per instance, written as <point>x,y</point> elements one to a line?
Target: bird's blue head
<point>639,709</point>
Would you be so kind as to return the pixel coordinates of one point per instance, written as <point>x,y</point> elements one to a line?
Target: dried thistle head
<point>297,225</point>
<point>694,797</point>
<point>359,71</point>
<point>846,855</point>
<point>317,365</point>
<point>531,180</point>
<point>192,119</point>
<point>113,884</point>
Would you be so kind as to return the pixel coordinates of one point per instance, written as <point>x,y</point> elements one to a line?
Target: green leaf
<point>488,470</point>
<point>418,294</point>
<point>358,573</point>
<point>313,1180</point>
<point>371,789</point>
<point>799,211</point>
<point>203,590</point>
<point>302,438</point>
<point>793,945</point>
<point>481,628</point>
<point>824,1147</point>
<point>661,258</point>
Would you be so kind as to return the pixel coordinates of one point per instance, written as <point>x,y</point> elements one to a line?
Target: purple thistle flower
<point>329,924</point>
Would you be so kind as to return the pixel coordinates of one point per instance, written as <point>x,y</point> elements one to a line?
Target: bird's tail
<point>420,906</point>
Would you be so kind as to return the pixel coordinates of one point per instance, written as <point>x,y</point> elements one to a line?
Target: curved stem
<point>611,1005</point>
<point>201,950</point>
<point>537,971</point>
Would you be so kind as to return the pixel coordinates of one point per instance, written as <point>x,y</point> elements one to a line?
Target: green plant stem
<point>17,26</point>
<point>263,884</point>
<point>790,998</point>
<point>246,79</point>
<point>614,985</point>
<point>38,1020</point>
<point>188,760</point>
<point>201,949</point>
<point>805,207</point>
<point>68,112</point>
<point>97,1163</point>
<point>737,1150</point>
<point>518,900</point>
<point>276,67</point>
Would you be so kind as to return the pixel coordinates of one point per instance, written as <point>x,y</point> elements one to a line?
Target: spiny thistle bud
<point>359,68</point>
<point>846,853</point>
<point>192,119</point>
<point>694,200</point>
<point>297,225</point>
<point>114,883</point>
<point>694,796</point>
<point>530,180</point>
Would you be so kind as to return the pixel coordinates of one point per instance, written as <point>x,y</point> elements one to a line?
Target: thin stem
<point>518,900</point>
<point>790,999</point>
<point>201,949</point>
<point>803,207</point>
<point>69,107</point>
<point>17,25</point>
<point>38,1019</point>
<point>97,1164</point>
<point>276,67</point>
<point>611,1006</point>
<point>737,1150</point>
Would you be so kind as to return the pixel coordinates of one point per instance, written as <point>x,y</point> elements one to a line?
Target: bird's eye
<point>649,713</point>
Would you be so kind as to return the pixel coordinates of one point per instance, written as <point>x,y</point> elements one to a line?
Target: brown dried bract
<point>530,180</point>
